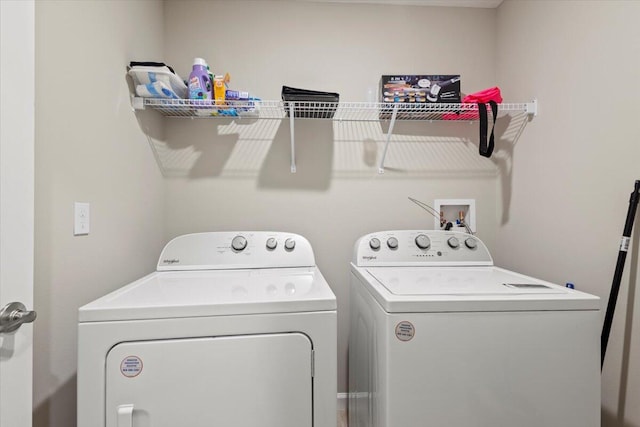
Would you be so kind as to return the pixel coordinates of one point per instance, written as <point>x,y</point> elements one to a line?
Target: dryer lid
<point>176,294</point>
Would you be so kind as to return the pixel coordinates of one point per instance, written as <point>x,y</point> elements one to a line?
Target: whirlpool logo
<point>369,257</point>
<point>171,261</point>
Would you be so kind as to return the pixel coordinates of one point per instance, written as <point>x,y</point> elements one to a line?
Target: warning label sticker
<point>405,331</point>
<point>131,366</point>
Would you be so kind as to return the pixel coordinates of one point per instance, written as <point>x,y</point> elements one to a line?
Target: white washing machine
<point>233,329</point>
<point>441,337</point>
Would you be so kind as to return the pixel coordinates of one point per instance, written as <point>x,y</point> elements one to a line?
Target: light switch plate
<point>81,219</point>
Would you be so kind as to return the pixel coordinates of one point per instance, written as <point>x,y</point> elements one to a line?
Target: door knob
<point>13,315</point>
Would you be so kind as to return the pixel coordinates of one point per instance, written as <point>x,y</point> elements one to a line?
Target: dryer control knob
<point>239,243</point>
<point>423,241</point>
<point>271,243</point>
<point>471,243</point>
<point>392,242</point>
<point>374,244</point>
<point>289,244</point>
<point>453,242</point>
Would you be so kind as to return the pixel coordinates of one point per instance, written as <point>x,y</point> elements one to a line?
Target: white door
<point>17,38</point>
<point>241,381</point>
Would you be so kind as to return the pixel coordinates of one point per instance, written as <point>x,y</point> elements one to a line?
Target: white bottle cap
<point>199,61</point>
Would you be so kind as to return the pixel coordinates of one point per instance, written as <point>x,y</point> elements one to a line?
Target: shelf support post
<point>293,139</point>
<point>389,133</point>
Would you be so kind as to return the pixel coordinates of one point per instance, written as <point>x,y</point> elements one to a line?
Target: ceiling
<point>448,3</point>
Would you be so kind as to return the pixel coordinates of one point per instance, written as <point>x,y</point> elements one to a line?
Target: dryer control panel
<point>236,250</point>
<point>420,248</point>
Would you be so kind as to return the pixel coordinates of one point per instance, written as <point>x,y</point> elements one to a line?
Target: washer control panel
<point>420,247</point>
<point>236,250</point>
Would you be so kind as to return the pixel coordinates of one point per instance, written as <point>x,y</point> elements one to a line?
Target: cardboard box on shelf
<point>426,88</point>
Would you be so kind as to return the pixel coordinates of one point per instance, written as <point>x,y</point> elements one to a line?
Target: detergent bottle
<point>199,81</point>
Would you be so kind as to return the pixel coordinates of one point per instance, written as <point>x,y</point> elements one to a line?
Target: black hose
<point>617,276</point>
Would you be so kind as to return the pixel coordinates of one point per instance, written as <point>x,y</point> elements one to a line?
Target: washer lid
<point>175,294</point>
<point>424,289</point>
<point>460,281</point>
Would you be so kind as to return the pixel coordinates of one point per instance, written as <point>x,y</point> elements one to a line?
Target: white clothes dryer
<point>441,337</point>
<point>233,329</point>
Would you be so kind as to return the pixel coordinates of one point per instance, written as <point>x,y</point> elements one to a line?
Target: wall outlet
<point>455,211</point>
<point>81,218</point>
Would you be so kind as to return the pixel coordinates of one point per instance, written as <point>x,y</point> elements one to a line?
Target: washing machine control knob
<point>271,243</point>
<point>423,241</point>
<point>289,244</point>
<point>239,243</point>
<point>471,243</point>
<point>374,244</point>
<point>392,242</point>
<point>453,242</point>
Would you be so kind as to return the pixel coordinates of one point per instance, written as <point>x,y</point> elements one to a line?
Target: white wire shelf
<point>336,111</point>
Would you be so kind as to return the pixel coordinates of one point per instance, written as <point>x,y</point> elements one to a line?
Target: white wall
<point>565,203</point>
<point>90,148</point>
<point>226,176</point>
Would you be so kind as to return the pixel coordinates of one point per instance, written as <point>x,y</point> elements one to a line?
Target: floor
<point>342,418</point>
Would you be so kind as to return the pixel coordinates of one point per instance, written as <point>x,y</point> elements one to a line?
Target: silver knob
<point>423,241</point>
<point>239,243</point>
<point>271,243</point>
<point>392,242</point>
<point>289,244</point>
<point>453,242</point>
<point>13,315</point>
<point>471,243</point>
<point>374,244</point>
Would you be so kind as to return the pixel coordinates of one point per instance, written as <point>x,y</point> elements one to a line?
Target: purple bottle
<point>199,81</point>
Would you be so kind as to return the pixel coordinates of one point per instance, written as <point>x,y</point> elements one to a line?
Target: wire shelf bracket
<point>292,115</point>
<point>394,116</point>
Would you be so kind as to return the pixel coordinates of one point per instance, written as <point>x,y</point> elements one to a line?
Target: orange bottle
<point>219,89</point>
